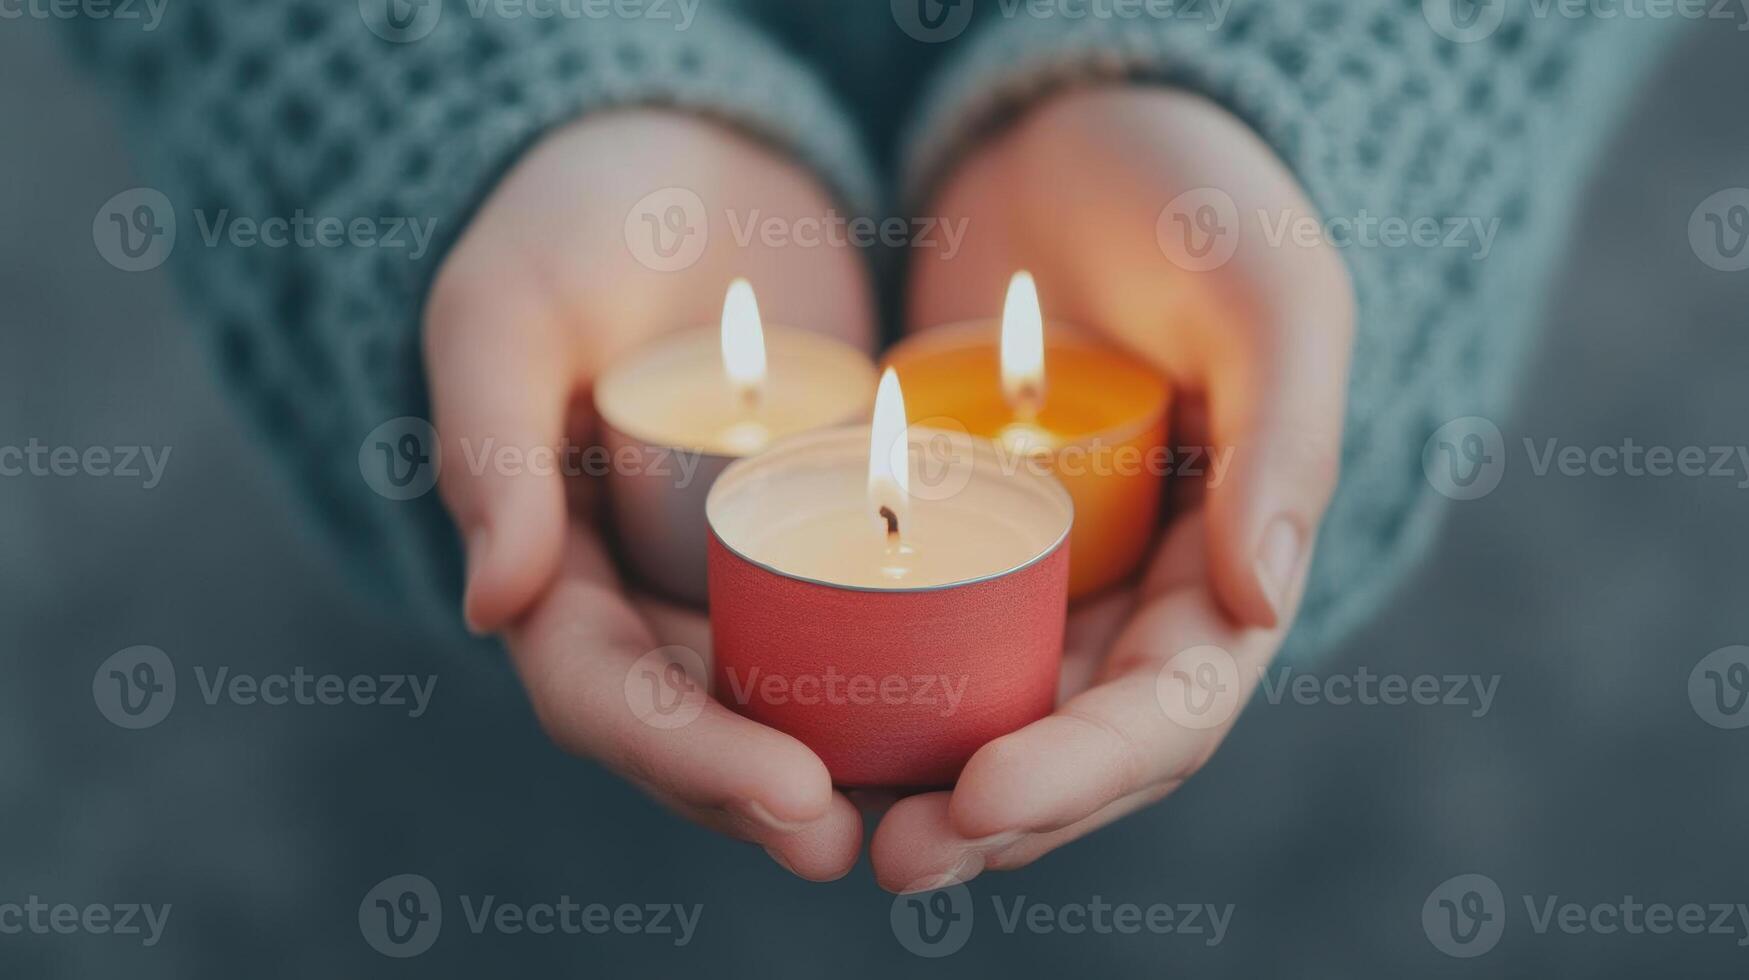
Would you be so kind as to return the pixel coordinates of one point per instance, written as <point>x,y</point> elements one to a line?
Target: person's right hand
<point>546,285</point>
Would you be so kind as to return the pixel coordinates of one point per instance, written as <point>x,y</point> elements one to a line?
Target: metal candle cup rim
<point>652,350</point>
<point>859,435</point>
<point>962,334</point>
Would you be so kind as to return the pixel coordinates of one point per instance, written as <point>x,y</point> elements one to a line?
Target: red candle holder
<point>891,687</point>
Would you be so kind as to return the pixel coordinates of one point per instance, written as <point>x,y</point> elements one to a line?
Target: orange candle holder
<point>1100,428</point>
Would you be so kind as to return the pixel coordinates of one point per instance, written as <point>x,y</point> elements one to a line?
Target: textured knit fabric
<point>1378,114</point>
<point>269,107</point>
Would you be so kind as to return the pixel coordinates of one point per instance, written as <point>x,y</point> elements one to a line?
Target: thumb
<point>1278,409</point>
<point>501,382</point>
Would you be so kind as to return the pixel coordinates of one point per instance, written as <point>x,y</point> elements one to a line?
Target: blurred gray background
<point>1592,778</point>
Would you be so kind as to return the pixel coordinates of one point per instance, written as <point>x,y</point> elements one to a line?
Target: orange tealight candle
<point>1059,402</point>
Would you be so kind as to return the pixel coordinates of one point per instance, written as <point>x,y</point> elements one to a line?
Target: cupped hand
<point>1152,217</point>
<point>552,279</point>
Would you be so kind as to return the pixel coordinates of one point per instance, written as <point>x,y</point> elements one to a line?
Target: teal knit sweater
<point>414,108</point>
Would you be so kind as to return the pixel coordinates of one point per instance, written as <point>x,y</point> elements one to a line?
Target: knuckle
<point>1121,746</point>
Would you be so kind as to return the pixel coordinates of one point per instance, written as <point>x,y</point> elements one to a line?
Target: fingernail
<point>995,842</point>
<point>782,862</point>
<point>478,540</point>
<point>969,867</point>
<point>1278,562</point>
<point>755,811</point>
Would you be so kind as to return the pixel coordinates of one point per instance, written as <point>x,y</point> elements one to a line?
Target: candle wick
<point>750,397</point>
<point>892,520</point>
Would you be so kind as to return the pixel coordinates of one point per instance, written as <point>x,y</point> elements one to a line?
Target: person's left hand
<point>1091,193</point>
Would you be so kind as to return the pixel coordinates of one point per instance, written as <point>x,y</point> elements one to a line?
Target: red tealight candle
<point>892,627</point>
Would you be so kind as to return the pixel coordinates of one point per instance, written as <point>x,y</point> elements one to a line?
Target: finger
<point>821,850</point>
<point>1093,625</point>
<point>672,623</point>
<point>500,383</point>
<point>602,689</point>
<point>917,848</point>
<point>1186,491</point>
<point>1277,411</point>
<point>1126,735</point>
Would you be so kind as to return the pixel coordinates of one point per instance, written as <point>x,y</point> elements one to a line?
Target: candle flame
<point>1023,345</point>
<point>889,482</point>
<point>743,340</point>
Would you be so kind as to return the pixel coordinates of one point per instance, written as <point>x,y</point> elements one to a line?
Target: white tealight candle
<point>730,390</point>
<point>843,507</point>
<point>676,413</point>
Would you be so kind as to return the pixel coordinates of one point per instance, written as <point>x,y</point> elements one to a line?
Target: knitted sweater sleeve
<point>1445,109</point>
<point>390,111</point>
